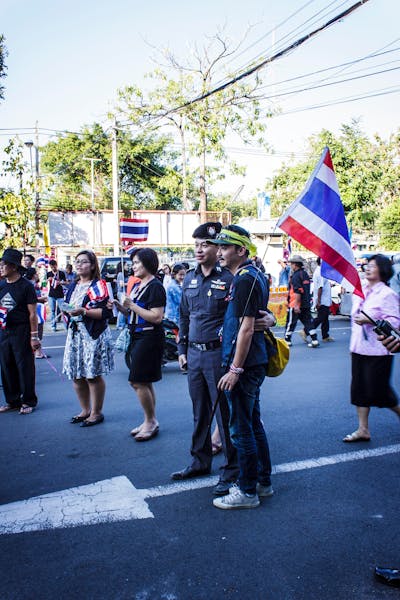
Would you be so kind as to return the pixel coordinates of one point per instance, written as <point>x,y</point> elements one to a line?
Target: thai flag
<point>3,317</point>
<point>41,312</point>
<point>97,292</point>
<point>42,261</point>
<point>316,219</point>
<point>134,230</point>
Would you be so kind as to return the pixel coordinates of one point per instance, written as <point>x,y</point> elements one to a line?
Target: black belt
<point>206,346</point>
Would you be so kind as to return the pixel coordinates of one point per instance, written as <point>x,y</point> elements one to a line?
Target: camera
<point>383,327</point>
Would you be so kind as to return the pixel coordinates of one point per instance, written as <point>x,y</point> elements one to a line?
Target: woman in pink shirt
<point>371,363</point>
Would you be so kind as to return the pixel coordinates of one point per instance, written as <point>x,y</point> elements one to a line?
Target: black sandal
<point>78,419</point>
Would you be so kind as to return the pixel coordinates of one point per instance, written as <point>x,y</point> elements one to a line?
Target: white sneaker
<point>264,491</point>
<point>313,344</point>
<point>237,499</point>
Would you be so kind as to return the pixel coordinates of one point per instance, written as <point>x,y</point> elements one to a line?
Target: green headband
<point>226,237</point>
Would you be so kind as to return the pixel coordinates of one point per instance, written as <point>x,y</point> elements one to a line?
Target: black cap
<point>207,230</point>
<point>12,256</point>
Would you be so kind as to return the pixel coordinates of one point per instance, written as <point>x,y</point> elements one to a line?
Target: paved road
<point>147,538</point>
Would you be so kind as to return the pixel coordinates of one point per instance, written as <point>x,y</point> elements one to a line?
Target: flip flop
<point>8,407</point>
<point>355,437</point>
<point>145,436</point>
<point>135,431</point>
<point>26,410</point>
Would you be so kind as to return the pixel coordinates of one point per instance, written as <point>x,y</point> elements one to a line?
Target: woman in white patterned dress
<point>89,347</point>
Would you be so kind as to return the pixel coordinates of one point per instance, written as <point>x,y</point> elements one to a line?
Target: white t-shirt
<point>319,281</point>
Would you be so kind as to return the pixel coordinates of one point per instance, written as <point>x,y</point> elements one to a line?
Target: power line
<point>372,94</point>
<point>330,83</point>
<point>271,59</point>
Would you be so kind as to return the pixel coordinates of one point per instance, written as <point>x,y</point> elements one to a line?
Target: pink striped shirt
<point>380,302</point>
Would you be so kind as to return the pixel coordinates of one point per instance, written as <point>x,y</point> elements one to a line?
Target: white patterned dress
<point>85,357</point>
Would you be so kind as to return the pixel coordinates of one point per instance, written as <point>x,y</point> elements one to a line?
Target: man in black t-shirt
<point>18,335</point>
<point>56,280</point>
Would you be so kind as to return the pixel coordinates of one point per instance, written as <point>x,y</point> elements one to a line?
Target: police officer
<point>202,310</point>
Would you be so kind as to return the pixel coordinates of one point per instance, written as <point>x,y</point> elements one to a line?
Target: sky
<point>67,58</point>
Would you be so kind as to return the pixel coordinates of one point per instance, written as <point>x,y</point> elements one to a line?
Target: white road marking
<point>117,499</point>
<point>113,499</point>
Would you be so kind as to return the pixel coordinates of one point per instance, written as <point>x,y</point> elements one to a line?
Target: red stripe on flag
<point>328,161</point>
<point>324,251</point>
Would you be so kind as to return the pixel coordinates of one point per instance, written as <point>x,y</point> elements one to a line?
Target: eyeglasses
<point>82,262</point>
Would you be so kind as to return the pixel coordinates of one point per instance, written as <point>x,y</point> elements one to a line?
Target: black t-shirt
<point>15,297</point>
<point>300,283</point>
<point>151,296</point>
<point>56,289</point>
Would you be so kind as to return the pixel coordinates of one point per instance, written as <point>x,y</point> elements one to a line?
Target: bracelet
<point>84,312</point>
<point>35,339</point>
<point>33,332</point>
<point>236,370</point>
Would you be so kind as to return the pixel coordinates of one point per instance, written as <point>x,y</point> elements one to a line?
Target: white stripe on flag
<point>325,232</point>
<point>327,176</point>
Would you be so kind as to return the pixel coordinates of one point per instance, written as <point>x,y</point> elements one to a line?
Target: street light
<point>29,144</point>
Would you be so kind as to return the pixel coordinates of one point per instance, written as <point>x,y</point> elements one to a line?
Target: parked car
<point>109,269</point>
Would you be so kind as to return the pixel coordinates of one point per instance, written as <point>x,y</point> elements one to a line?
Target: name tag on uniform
<point>193,283</point>
<point>218,284</point>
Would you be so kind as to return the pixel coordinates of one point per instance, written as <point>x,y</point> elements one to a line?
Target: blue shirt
<point>174,295</point>
<point>245,300</point>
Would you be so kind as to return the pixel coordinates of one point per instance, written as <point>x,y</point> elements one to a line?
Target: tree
<point>147,173</point>
<point>16,209</point>
<point>367,173</point>
<point>3,67</point>
<point>204,125</point>
<point>389,226</point>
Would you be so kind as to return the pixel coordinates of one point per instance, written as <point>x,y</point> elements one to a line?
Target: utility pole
<point>114,163</point>
<point>92,161</point>
<point>35,145</point>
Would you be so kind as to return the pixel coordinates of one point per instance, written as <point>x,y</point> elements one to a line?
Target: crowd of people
<point>221,308</point>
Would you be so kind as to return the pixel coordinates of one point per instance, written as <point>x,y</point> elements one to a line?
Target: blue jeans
<point>53,303</point>
<point>247,430</point>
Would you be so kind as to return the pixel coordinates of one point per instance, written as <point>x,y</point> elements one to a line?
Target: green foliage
<point>3,67</point>
<point>388,226</point>
<point>16,210</point>
<point>202,126</point>
<point>238,209</point>
<point>148,178</point>
<point>367,173</point>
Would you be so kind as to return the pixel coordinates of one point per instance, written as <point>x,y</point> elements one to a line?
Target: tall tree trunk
<point>185,199</point>
<point>203,194</point>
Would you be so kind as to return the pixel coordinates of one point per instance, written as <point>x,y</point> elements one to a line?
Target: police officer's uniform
<point>202,310</point>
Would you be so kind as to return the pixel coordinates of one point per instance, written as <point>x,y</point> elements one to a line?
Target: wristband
<point>34,332</point>
<point>236,370</point>
<point>84,312</point>
<point>34,338</point>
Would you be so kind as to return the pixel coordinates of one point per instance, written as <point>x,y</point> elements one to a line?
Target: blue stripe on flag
<point>326,204</point>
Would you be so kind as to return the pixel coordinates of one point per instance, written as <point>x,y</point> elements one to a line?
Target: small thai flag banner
<point>97,292</point>
<point>42,261</point>
<point>134,230</point>
<point>316,219</point>
<point>3,317</point>
<point>41,312</point>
